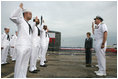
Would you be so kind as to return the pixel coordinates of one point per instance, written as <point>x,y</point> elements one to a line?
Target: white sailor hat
<point>26,10</point>
<point>6,28</point>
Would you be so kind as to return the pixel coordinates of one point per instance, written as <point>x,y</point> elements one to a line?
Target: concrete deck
<point>63,65</point>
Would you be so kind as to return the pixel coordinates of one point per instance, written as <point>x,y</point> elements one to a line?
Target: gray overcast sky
<point>72,19</point>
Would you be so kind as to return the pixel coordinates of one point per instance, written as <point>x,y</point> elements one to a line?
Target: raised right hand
<point>21,5</point>
<point>37,20</point>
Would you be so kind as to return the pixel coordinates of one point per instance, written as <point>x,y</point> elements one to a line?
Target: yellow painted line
<point>9,75</point>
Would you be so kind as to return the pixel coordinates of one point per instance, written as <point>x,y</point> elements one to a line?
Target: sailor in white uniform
<point>100,39</point>
<point>47,41</point>
<point>35,48</point>
<point>23,44</point>
<point>47,44</point>
<point>11,46</point>
<point>5,44</point>
<point>41,27</point>
<point>43,39</point>
<point>14,38</point>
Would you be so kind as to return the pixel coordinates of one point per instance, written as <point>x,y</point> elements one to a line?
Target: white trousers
<point>33,58</point>
<point>39,54</point>
<point>43,54</point>
<point>46,52</point>
<point>101,58</point>
<point>11,51</point>
<point>4,54</point>
<point>22,60</point>
<point>14,54</point>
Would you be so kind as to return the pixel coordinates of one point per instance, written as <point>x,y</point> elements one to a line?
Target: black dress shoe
<point>43,65</point>
<point>13,60</point>
<point>88,65</point>
<point>45,61</point>
<point>37,70</point>
<point>6,63</point>
<point>3,64</point>
<point>33,71</point>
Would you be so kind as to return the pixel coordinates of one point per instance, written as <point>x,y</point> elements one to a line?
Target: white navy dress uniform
<point>100,53</point>
<point>47,43</point>
<point>11,46</point>
<point>14,38</point>
<point>43,45</point>
<point>23,43</point>
<point>5,43</point>
<point>35,48</point>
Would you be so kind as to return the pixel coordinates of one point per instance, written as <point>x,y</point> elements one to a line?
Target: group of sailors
<point>30,43</point>
<point>27,45</point>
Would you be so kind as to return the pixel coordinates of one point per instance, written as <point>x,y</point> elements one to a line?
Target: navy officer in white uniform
<point>100,38</point>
